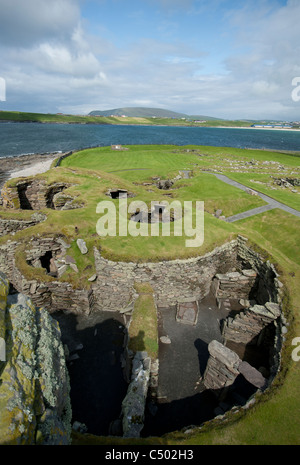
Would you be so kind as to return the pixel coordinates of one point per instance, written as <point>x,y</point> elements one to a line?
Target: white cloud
<point>26,22</point>
<point>264,88</point>
<point>50,57</point>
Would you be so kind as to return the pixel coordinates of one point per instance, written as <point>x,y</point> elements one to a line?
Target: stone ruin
<point>286,182</point>
<point>224,366</point>
<point>233,272</point>
<point>119,194</point>
<point>12,226</point>
<point>118,147</point>
<point>165,184</point>
<point>158,213</point>
<point>258,326</point>
<point>36,194</point>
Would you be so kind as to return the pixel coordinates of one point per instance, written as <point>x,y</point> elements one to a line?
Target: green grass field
<point>275,418</point>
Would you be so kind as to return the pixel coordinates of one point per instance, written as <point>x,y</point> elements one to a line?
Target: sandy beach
<point>25,165</point>
<point>36,168</point>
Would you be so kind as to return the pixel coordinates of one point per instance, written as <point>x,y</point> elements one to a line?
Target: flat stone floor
<point>96,377</point>
<point>182,398</point>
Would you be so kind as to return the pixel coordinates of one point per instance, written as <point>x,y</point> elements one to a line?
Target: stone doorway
<point>23,191</point>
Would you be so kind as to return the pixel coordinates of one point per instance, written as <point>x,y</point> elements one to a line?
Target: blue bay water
<point>24,138</point>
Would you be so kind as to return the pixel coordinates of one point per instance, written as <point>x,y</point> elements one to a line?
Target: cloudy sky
<point>228,59</point>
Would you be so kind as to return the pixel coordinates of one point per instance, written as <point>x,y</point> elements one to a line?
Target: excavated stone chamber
<point>36,194</point>
<point>158,213</point>
<point>220,326</point>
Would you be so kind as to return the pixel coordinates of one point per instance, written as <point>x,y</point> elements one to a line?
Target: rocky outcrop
<point>34,390</point>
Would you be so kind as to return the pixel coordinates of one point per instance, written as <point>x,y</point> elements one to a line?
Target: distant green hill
<point>143,112</point>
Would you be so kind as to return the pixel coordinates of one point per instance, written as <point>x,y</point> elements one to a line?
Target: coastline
<point>25,165</point>
<point>179,124</point>
<point>248,127</point>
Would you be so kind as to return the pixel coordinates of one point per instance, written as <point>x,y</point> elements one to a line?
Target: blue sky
<point>228,59</point>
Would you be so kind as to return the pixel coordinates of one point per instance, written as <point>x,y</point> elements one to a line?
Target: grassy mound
<point>275,419</point>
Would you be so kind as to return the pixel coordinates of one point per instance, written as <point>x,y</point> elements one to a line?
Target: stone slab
<point>252,375</point>
<point>223,354</point>
<point>187,313</point>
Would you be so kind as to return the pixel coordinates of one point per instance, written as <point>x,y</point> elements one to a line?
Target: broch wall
<point>173,281</point>
<point>232,271</point>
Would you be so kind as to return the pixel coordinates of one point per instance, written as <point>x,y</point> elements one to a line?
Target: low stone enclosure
<point>158,213</point>
<point>12,226</point>
<point>119,194</point>
<point>36,194</point>
<point>233,272</point>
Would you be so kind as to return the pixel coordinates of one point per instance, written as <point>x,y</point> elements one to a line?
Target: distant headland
<point>143,116</point>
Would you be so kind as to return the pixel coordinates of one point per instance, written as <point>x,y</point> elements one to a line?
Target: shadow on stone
<point>178,414</point>
<point>203,354</point>
<point>95,346</point>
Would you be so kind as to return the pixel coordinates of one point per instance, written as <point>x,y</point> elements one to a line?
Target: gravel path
<point>271,203</point>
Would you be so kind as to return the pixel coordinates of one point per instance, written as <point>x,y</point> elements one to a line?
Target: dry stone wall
<point>36,194</point>
<point>224,366</point>
<point>53,294</point>
<point>246,326</point>
<point>235,285</point>
<point>268,286</point>
<point>173,281</point>
<point>12,226</point>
